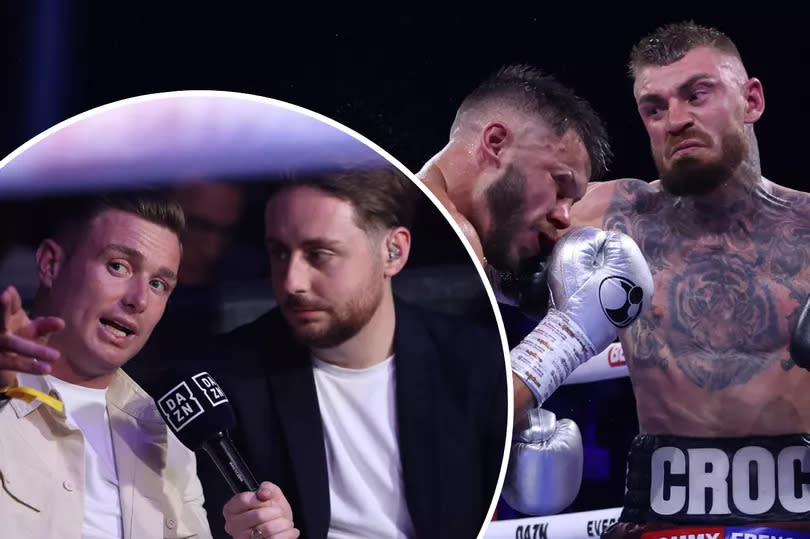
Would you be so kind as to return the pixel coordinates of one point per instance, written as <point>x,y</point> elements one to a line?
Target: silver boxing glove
<point>545,465</point>
<point>599,283</point>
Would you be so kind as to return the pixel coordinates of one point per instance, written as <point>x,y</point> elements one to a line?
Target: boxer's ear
<point>754,100</point>
<point>50,258</point>
<point>494,138</point>
<point>396,248</point>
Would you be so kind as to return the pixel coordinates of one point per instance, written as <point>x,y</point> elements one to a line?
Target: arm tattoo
<point>787,248</point>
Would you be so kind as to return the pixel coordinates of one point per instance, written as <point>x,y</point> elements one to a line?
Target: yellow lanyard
<point>29,394</point>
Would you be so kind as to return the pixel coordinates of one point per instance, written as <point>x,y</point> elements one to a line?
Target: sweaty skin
<point>434,180</point>
<point>711,356</point>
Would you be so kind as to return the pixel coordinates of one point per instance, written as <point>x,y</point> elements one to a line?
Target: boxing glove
<point>545,465</point>
<point>800,341</point>
<point>526,291</point>
<point>599,284</point>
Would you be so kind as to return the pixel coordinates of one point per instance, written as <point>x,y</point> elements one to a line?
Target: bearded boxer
<point>723,410</point>
<point>516,162</point>
<point>522,149</point>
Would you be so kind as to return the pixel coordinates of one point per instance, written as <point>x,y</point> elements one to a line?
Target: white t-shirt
<point>86,409</point>
<point>358,411</point>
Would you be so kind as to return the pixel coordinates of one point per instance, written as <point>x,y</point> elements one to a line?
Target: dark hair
<point>72,216</point>
<point>382,198</point>
<point>527,88</point>
<point>669,43</point>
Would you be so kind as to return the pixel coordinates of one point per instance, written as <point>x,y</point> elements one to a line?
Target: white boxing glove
<point>545,465</point>
<point>599,284</point>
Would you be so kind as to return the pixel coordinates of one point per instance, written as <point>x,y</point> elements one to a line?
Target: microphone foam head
<point>195,408</point>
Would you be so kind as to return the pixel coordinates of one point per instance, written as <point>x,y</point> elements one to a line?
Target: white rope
<point>605,365</point>
<point>584,525</point>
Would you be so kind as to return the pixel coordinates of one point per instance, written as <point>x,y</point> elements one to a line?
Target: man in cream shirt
<point>89,456</point>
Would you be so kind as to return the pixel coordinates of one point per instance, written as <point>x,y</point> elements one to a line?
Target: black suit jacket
<point>451,401</point>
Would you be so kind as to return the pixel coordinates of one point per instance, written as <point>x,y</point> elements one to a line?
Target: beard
<point>689,176</point>
<point>506,198</point>
<point>342,322</point>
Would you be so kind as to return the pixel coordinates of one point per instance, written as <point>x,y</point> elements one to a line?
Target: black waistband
<point>718,480</point>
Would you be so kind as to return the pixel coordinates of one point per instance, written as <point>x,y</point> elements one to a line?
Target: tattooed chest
<point>731,276</point>
<point>724,305</point>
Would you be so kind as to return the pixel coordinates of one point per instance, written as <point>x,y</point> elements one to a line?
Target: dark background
<point>393,77</point>
<point>397,79</point>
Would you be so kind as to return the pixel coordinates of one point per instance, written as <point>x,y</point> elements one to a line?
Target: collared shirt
<point>42,469</point>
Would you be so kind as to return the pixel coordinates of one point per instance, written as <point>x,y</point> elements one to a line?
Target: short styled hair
<point>382,198</point>
<point>528,89</point>
<point>73,215</point>
<point>669,43</point>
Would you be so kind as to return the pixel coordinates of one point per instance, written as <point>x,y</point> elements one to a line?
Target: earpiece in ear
<point>394,252</point>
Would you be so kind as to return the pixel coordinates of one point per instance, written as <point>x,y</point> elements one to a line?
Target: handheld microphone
<point>198,412</point>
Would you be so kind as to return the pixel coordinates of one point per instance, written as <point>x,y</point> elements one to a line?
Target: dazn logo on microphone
<point>180,406</point>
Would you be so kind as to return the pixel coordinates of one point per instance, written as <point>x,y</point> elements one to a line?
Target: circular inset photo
<point>225,315</point>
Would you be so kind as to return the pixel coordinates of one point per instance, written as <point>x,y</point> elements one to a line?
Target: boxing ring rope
<point>565,526</point>
<point>606,365</point>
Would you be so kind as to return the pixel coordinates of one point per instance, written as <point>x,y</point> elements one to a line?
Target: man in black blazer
<point>375,418</point>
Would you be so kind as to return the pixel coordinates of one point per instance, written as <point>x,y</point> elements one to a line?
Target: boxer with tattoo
<point>723,410</point>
